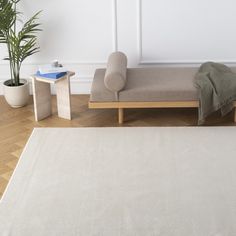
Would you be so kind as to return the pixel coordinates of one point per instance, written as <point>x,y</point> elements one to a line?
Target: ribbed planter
<point>16,96</point>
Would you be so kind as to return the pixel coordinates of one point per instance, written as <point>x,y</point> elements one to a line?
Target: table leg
<point>63,98</point>
<point>42,99</point>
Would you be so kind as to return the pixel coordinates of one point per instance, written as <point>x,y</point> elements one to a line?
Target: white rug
<point>124,181</point>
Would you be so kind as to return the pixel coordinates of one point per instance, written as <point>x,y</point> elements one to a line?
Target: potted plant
<point>20,43</point>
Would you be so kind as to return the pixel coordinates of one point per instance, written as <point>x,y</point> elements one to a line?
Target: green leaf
<point>21,44</point>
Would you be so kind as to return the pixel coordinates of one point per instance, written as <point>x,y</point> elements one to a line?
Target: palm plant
<point>21,43</point>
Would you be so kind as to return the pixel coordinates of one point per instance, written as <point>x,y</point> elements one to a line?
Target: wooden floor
<point>16,125</point>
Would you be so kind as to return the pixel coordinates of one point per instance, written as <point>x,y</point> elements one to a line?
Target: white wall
<point>82,33</point>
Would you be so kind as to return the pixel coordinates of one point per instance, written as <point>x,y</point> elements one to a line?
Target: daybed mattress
<point>149,85</point>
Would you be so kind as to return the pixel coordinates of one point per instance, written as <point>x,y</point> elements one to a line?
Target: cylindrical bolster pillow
<point>115,77</point>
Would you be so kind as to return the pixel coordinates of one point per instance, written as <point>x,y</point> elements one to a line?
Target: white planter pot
<point>16,96</point>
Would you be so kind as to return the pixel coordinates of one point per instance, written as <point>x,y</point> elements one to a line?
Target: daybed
<point>120,87</point>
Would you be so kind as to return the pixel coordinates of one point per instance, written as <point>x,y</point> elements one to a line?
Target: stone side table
<point>42,96</point>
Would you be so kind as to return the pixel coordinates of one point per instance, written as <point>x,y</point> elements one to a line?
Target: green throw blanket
<point>216,84</point>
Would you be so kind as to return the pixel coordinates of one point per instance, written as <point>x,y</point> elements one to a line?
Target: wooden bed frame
<point>125,105</point>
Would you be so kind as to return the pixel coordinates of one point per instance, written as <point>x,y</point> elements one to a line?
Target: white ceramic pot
<point>16,96</point>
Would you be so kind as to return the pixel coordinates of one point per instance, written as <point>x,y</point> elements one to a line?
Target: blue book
<point>52,75</point>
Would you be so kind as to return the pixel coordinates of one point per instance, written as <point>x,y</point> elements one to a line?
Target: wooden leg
<point>63,98</point>
<point>121,115</point>
<point>42,99</point>
<point>235,114</point>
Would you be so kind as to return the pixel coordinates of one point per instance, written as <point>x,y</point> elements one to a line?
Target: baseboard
<point>78,86</point>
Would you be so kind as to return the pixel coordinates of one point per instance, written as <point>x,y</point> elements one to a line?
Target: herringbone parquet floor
<point>16,125</point>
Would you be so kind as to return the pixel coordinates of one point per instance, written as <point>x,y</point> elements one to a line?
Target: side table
<point>42,96</point>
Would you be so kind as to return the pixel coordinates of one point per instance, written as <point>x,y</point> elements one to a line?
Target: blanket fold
<point>216,84</point>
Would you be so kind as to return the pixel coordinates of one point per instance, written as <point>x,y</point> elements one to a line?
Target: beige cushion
<point>160,84</point>
<point>149,84</point>
<point>115,77</point>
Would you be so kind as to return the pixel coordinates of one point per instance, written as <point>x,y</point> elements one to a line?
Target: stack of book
<point>51,72</point>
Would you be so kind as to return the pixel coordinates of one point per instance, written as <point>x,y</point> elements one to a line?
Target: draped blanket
<point>216,84</point>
